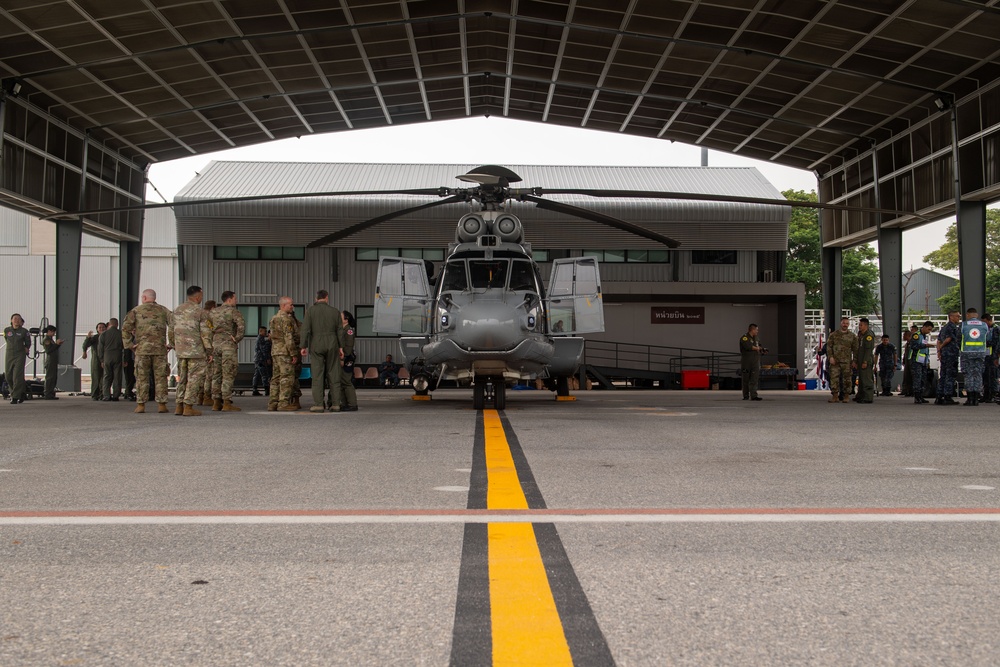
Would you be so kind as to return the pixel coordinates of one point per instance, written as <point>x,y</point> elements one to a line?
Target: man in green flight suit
<point>750,351</point>
<point>18,341</point>
<point>322,333</point>
<point>865,361</point>
<point>51,346</point>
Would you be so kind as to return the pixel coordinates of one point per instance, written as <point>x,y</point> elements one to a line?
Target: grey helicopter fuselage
<point>486,318</point>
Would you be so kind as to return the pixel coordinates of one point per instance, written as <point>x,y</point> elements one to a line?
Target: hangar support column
<point>69,239</point>
<point>833,290</point>
<point>890,271</point>
<point>972,254</point>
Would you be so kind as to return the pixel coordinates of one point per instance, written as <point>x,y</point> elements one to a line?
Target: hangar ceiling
<point>813,84</point>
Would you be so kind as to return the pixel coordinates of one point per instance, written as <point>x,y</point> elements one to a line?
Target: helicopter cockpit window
<point>454,279</point>
<point>413,280</point>
<point>522,277</point>
<point>488,274</point>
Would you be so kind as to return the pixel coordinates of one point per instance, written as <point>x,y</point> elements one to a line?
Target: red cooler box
<point>695,380</point>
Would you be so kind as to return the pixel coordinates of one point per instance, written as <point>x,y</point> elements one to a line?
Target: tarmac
<point>622,528</point>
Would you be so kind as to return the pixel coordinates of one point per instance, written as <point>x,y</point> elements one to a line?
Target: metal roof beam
<point>463,38</point>
<point>626,17</point>
<point>559,58</point>
<point>509,72</point>
<point>364,58</point>
<point>415,54</point>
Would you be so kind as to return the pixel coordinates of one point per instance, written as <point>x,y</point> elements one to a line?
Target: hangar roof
<point>806,83</point>
<point>697,225</point>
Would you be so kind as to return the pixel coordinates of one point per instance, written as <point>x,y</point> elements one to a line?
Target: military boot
<point>217,405</point>
<point>162,409</point>
<point>140,408</point>
<point>272,407</point>
<point>227,406</point>
<point>206,399</point>
<point>190,411</point>
<point>180,409</point>
<point>287,407</point>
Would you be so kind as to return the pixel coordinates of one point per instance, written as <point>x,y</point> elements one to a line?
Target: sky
<point>504,141</point>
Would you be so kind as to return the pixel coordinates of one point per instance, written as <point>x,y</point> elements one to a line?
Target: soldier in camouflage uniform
<point>974,346</point>
<point>865,362</point>
<point>145,333</point>
<point>841,347</point>
<point>206,398</point>
<point>192,340</point>
<point>947,350</point>
<point>228,328</point>
<point>284,354</point>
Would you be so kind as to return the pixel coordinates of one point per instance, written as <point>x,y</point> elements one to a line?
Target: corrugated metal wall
<point>13,231</point>
<point>923,289</point>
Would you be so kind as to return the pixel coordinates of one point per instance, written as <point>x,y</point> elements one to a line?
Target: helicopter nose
<point>488,326</point>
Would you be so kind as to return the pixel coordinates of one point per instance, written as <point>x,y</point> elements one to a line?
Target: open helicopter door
<point>402,297</point>
<point>574,299</point>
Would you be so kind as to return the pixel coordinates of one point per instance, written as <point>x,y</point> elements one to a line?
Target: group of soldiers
<point>975,342</point>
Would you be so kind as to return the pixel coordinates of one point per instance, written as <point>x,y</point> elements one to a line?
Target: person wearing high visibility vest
<point>919,358</point>
<point>975,347</point>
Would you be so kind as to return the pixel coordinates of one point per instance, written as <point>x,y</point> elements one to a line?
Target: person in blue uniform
<point>948,342</point>
<point>991,392</point>
<point>918,350</point>
<point>887,360</point>
<point>974,346</point>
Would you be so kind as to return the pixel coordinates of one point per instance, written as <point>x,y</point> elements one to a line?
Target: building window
<point>260,316</point>
<point>373,254</point>
<point>269,253</point>
<point>632,256</point>
<point>365,315</point>
<point>713,257</point>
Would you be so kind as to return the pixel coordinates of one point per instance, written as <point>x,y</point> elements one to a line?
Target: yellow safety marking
<point>525,622</point>
<point>565,398</point>
<point>503,488</point>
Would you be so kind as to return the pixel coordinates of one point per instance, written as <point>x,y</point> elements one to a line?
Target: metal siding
<point>13,231</point>
<point>926,282</point>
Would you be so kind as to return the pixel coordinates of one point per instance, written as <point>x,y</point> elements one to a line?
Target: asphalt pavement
<point>675,528</point>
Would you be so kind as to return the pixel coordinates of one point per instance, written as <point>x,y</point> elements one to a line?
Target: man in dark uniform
<point>864,362</point>
<point>886,358</point>
<point>111,349</point>
<point>349,396</point>
<point>974,346</point>
<point>750,351</point>
<point>18,340</point>
<point>990,392</point>
<point>51,346</point>
<point>919,357</point>
<point>262,362</point>
<point>948,341</point>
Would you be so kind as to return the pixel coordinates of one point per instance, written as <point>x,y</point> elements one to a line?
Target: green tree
<point>860,274</point>
<point>946,259</point>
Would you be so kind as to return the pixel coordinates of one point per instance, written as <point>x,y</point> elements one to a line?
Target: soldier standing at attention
<point>90,343</point>
<point>206,398</point>
<point>841,347</point>
<point>349,395</point>
<point>145,332</point>
<point>907,387</point>
<point>919,358</point>
<point>51,346</point>
<point>322,332</point>
<point>865,362</point>
<point>974,345</point>
<point>947,350</point>
<point>191,337</point>
<point>750,351</point>
<point>284,354</point>
<point>887,359</point>
<point>297,370</point>
<point>110,350</point>
<point>228,328</point>
<point>18,341</point>
<point>992,360</point>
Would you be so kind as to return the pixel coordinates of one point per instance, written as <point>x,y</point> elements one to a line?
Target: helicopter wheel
<point>562,386</point>
<point>478,395</point>
<point>499,394</point>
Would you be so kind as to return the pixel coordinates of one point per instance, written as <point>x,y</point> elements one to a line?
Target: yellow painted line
<point>526,627</point>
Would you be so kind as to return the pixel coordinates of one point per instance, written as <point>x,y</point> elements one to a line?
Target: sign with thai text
<point>677,315</point>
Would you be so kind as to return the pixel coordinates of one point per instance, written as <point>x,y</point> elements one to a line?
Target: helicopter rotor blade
<point>587,214</point>
<point>70,215</point>
<point>735,199</point>
<point>361,226</point>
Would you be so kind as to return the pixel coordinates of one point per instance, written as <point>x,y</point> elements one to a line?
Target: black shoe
<point>50,398</point>
<point>939,401</point>
<point>255,393</point>
<point>105,399</point>
<point>920,400</point>
<point>950,401</point>
<point>746,398</point>
<point>350,408</point>
<point>756,398</point>
<point>115,399</point>
<point>14,401</point>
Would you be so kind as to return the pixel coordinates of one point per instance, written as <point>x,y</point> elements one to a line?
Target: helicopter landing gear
<point>490,387</point>
<point>479,393</point>
<point>562,386</point>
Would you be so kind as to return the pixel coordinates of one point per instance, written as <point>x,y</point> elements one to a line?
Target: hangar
<point>894,104</point>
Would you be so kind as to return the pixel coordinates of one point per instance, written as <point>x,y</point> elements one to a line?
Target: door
<point>402,297</point>
<point>574,298</point>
